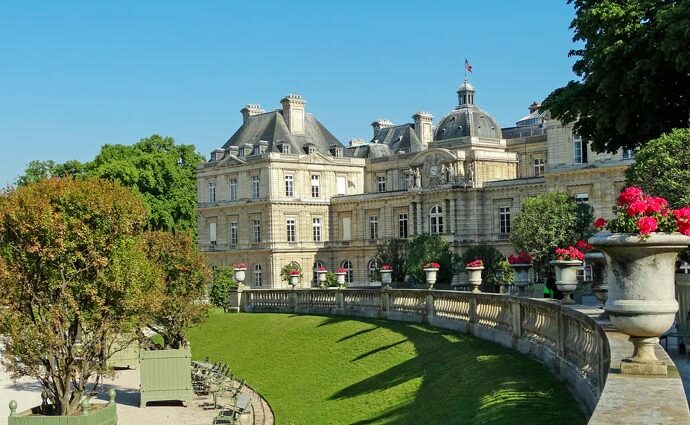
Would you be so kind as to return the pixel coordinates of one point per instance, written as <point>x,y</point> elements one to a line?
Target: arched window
<point>347,265</point>
<point>315,276</point>
<point>372,267</point>
<point>257,275</point>
<point>436,220</point>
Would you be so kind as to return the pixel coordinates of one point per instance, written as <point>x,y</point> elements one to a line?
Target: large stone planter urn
<point>475,278</point>
<point>386,276</point>
<point>566,278</point>
<point>521,276</point>
<point>599,287</point>
<point>294,280</point>
<point>340,278</point>
<point>321,276</point>
<point>641,299</point>
<point>240,275</point>
<point>90,414</point>
<point>430,276</point>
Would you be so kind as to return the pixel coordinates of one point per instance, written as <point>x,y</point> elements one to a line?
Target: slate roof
<point>369,150</point>
<point>271,127</point>
<point>396,138</point>
<point>468,120</point>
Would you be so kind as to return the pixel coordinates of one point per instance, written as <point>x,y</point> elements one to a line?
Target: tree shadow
<point>358,333</point>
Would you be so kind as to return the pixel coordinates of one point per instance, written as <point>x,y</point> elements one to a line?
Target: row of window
<point>291,232</point>
<point>233,189</point>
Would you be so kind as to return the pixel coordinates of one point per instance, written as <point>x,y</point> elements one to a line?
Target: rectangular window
<point>285,148</point>
<point>256,230</point>
<point>341,183</point>
<point>346,229</point>
<point>290,223</point>
<point>212,233</point>
<point>255,187</point>
<point>289,186</point>
<point>504,220</point>
<point>582,197</point>
<point>381,183</point>
<point>212,192</point>
<point>373,227</point>
<point>233,189</point>
<point>338,152</point>
<point>539,167</point>
<point>315,186</point>
<point>402,225</point>
<point>233,232</point>
<point>316,229</point>
<point>628,153</point>
<point>311,150</point>
<point>577,150</point>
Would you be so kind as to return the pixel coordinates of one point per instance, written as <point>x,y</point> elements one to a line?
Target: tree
<point>73,273</point>
<point>635,72</point>
<point>662,168</point>
<point>223,281</point>
<point>431,248</point>
<point>40,170</point>
<point>548,221</point>
<point>394,252</point>
<point>490,256</point>
<point>185,277</point>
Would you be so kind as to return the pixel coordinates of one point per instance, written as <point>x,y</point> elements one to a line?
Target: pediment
<point>317,158</point>
<point>230,160</point>
<point>433,156</point>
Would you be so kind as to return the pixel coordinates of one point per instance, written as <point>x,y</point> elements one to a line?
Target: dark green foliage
<point>39,170</point>
<point>223,281</point>
<point>491,258</point>
<point>431,248</point>
<point>634,67</point>
<point>394,252</point>
<point>331,280</point>
<point>662,168</point>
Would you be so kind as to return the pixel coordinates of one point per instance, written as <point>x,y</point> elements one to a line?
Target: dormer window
<point>284,148</point>
<point>310,149</point>
<point>242,152</point>
<point>338,152</point>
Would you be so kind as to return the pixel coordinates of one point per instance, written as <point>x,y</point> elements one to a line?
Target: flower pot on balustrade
<point>166,375</point>
<point>641,299</point>
<point>240,275</point>
<point>294,280</point>
<point>430,276</point>
<point>321,276</point>
<point>340,278</point>
<point>566,278</point>
<point>386,276</point>
<point>475,278</point>
<point>90,414</point>
<point>521,276</point>
<point>599,287</point>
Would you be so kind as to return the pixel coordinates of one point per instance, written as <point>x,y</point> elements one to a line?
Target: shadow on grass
<point>358,333</point>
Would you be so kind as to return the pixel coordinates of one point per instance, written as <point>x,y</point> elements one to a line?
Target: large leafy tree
<point>634,69</point>
<point>431,248</point>
<point>548,221</point>
<point>662,168</point>
<point>73,272</point>
<point>394,252</point>
<point>185,277</point>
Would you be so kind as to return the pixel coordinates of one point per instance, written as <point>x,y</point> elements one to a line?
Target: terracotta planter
<point>599,287</point>
<point>521,276</point>
<point>240,275</point>
<point>340,278</point>
<point>431,276</point>
<point>475,278</point>
<point>641,298</point>
<point>566,278</point>
<point>386,276</point>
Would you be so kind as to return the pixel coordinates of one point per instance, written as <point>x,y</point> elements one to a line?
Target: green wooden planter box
<point>126,358</point>
<point>95,414</point>
<point>166,375</point>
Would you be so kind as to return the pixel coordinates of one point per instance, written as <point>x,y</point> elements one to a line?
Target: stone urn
<point>294,279</point>
<point>566,278</point>
<point>386,276</point>
<point>641,292</point>
<point>240,275</point>
<point>321,276</point>
<point>599,287</point>
<point>430,276</point>
<point>340,278</point>
<point>475,278</point>
<point>521,276</point>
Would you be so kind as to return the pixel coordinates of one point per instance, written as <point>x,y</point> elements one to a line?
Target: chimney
<point>380,124</point>
<point>533,107</point>
<point>293,112</point>
<point>423,127</point>
<point>356,142</point>
<point>251,110</point>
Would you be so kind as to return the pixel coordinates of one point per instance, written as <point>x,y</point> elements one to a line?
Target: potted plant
<point>166,369</point>
<point>641,249</point>
<point>340,276</point>
<point>430,271</point>
<point>520,263</point>
<point>567,261</point>
<point>295,277</point>
<point>240,272</point>
<point>474,269</point>
<point>386,271</point>
<point>321,275</point>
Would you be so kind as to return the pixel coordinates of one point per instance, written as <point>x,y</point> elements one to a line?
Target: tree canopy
<point>662,168</point>
<point>634,69</point>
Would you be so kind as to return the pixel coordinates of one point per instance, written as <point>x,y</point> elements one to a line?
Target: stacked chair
<point>216,380</point>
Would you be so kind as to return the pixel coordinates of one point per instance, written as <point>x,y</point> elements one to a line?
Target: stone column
<point>410,221</point>
<point>419,219</point>
<point>451,215</point>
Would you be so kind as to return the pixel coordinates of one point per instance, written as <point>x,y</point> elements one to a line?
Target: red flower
<point>630,194</point>
<point>683,220</point>
<point>638,206</point>
<point>583,246</point>
<point>521,258</point>
<point>600,223</point>
<point>431,266</point>
<point>656,204</point>
<point>295,273</point>
<point>476,263</point>
<point>239,266</point>
<point>342,270</point>
<point>386,267</point>
<point>647,225</point>
<point>569,254</point>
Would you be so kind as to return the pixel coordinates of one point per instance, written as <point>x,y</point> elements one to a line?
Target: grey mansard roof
<point>272,128</point>
<point>369,150</point>
<point>398,138</point>
<point>468,120</point>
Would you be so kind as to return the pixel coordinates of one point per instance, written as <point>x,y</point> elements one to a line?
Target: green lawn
<point>338,370</point>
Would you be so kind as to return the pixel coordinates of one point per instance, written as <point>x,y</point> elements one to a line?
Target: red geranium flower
<point>476,263</point>
<point>637,206</point>
<point>646,225</point>
<point>630,194</point>
<point>600,223</point>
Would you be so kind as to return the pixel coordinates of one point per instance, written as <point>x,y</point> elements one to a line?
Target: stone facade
<point>283,189</point>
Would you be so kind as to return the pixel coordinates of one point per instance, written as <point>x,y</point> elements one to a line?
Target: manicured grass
<point>339,370</point>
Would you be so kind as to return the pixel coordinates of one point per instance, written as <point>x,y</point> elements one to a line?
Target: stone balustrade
<point>571,343</point>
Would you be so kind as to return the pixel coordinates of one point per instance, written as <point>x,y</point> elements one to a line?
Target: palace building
<point>283,189</point>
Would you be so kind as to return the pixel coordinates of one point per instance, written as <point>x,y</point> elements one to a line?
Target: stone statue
<point>470,174</point>
<point>451,173</point>
<point>409,179</point>
<point>417,178</point>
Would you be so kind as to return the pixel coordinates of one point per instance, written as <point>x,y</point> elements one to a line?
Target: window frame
<point>256,187</point>
<point>436,220</point>
<point>373,227</point>
<point>290,229</point>
<point>315,186</point>
<point>289,185</point>
<point>212,192</point>
<point>256,231</point>
<point>504,220</point>
<point>233,233</point>
<point>403,225</point>
<point>233,189</point>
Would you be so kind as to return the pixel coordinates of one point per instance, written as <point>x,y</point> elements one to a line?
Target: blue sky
<point>75,75</point>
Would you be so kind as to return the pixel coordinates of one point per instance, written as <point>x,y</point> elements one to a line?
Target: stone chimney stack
<point>533,107</point>
<point>250,110</point>
<point>380,124</point>
<point>423,127</point>
<point>293,112</point>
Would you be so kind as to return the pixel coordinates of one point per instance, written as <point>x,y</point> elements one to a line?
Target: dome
<point>467,119</point>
